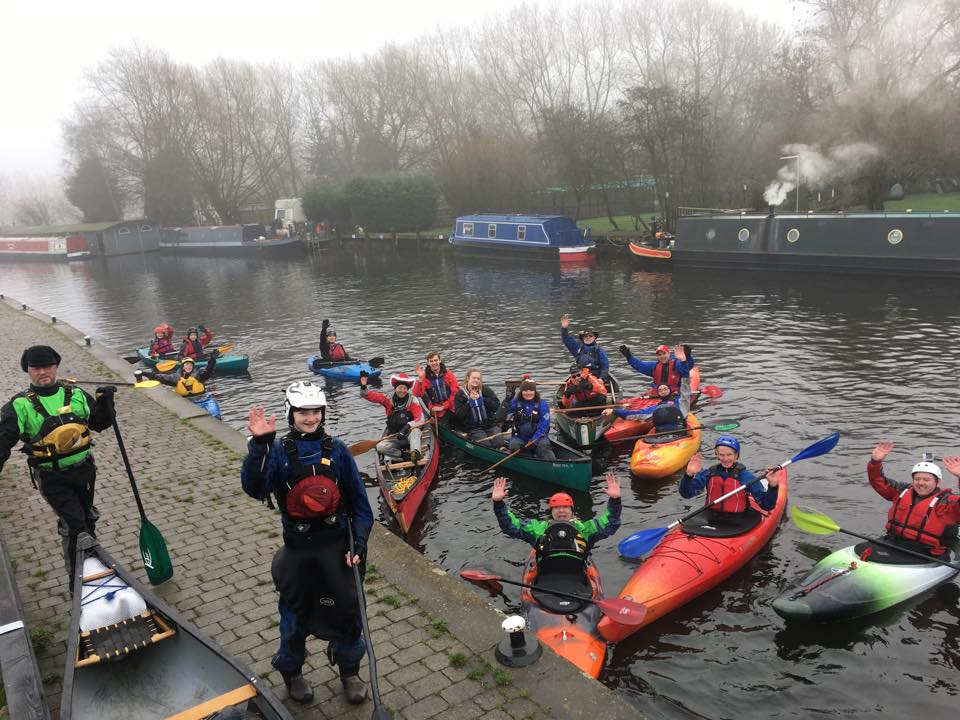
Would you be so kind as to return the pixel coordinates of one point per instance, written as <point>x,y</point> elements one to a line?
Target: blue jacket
<point>646,367</point>
<point>267,463</point>
<point>693,485</point>
<point>643,413</point>
<point>599,362</point>
<point>543,426</point>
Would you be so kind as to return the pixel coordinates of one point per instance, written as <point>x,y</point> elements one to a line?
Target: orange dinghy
<point>695,557</point>
<point>660,456</point>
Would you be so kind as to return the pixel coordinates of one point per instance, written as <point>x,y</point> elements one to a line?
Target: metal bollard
<point>519,648</point>
<point>86,340</point>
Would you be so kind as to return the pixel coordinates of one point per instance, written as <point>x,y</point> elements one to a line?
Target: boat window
<point>123,231</point>
<point>145,228</point>
<point>468,229</point>
<point>793,235</point>
<point>521,232</point>
<point>491,230</point>
<point>743,235</point>
<point>895,236</point>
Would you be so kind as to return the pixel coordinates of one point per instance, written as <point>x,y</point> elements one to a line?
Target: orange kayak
<point>694,557</point>
<point>658,457</point>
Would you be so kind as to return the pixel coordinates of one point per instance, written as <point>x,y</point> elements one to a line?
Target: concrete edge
<point>551,682</point>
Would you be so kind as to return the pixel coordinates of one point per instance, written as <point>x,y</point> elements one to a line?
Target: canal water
<point>798,356</point>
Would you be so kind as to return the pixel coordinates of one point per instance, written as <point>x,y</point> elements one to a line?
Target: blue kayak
<point>347,371</point>
<point>208,402</point>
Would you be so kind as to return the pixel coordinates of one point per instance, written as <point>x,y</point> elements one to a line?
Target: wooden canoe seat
<point>208,708</point>
<point>404,465</point>
<point>114,641</point>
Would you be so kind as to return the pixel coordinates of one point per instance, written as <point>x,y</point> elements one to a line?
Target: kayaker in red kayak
<point>583,389</point>
<point>330,349</point>
<point>923,516</point>
<point>728,474</point>
<point>667,369</point>
<point>438,386</point>
<point>196,340</point>
<point>475,408</point>
<point>667,398</point>
<point>586,352</point>
<point>161,343</point>
<point>547,536</point>
<point>405,416</point>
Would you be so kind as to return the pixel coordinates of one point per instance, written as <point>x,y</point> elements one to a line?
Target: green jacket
<point>602,526</point>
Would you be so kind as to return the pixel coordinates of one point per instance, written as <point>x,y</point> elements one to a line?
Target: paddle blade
<point>146,384</point>
<point>167,365</point>
<point>488,581</point>
<point>153,550</point>
<point>813,522</point>
<point>640,543</point>
<point>226,348</point>
<point>821,447</point>
<point>622,611</point>
<point>723,425</point>
<point>132,359</point>
<point>711,391</point>
<point>359,448</point>
<point>379,713</point>
<point>376,362</point>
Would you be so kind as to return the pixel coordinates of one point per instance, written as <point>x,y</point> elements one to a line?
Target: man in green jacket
<point>54,421</point>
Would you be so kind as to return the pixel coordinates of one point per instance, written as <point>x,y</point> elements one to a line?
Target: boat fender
<point>106,600</point>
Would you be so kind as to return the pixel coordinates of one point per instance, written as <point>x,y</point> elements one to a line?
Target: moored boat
<point>661,455</point>
<point>543,237</point>
<point>131,656</point>
<point>227,240</point>
<point>404,485</point>
<point>566,626</point>
<point>844,585</point>
<point>694,557</point>
<point>586,430</point>
<point>348,371</point>
<point>572,469</point>
<point>225,363</point>
<point>650,258</point>
<point>72,247</point>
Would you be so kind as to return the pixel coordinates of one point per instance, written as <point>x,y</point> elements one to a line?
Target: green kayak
<point>571,469</point>
<point>225,363</point>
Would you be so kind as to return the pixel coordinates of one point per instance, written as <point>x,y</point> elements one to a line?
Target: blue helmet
<point>727,441</point>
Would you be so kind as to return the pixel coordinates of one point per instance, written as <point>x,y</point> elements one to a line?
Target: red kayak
<point>404,485</point>
<point>694,557</point>
<point>622,428</point>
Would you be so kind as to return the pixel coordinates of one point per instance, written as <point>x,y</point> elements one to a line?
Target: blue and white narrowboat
<point>543,236</point>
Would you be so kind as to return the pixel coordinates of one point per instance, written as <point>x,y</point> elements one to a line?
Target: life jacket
<point>189,386</point>
<point>400,415</point>
<point>561,538</point>
<point>525,426</point>
<point>478,411</point>
<point>436,386</point>
<point>589,356</point>
<point>718,486</point>
<point>310,497</point>
<point>191,348</point>
<point>912,519</point>
<point>336,352</point>
<point>161,346</point>
<point>596,388</point>
<point>667,374</point>
<point>667,416</point>
<point>59,436</point>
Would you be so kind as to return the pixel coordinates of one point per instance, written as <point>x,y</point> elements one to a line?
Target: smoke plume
<point>818,169</point>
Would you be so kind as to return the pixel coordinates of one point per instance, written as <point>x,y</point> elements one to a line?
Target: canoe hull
<point>404,507</point>
<point>345,373</point>
<point>842,586</point>
<point>654,461</point>
<point>225,363</point>
<point>586,431</point>
<point>683,567</point>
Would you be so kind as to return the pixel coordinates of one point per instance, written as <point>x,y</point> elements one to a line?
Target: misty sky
<point>47,46</point>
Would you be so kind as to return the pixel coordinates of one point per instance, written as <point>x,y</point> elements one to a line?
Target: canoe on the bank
<point>658,457</point>
<point>586,430</point>
<point>844,586</point>
<point>404,485</point>
<point>695,557</point>
<point>340,370</point>
<point>208,402</point>
<point>225,363</point>
<point>572,469</point>
<point>131,657</point>
<point>18,664</point>
<point>566,626</point>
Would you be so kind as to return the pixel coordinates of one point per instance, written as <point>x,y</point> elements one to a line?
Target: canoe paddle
<point>500,462</point>
<point>816,523</point>
<point>379,712</point>
<point>359,448</point>
<point>153,548</point>
<point>142,384</point>
<point>642,542</point>
<point>625,612</point>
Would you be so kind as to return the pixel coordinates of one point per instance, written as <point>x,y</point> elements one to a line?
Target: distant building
<point>107,238</point>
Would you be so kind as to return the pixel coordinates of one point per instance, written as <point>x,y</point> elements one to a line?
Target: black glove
<point>107,390</point>
<point>625,351</point>
<point>406,430</point>
<point>326,322</point>
<point>570,391</point>
<point>364,374</point>
<point>202,329</point>
<point>360,548</point>
<point>584,384</point>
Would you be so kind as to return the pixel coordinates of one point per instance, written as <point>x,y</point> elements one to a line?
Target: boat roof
<point>515,218</point>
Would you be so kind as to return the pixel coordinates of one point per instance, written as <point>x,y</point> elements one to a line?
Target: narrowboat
<point>543,237</point>
<point>227,240</point>
<point>57,249</point>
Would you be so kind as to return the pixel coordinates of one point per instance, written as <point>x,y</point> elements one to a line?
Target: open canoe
<point>694,557</point>
<point>566,626</point>
<point>225,363</point>
<point>658,457</point>
<point>844,586</point>
<point>587,429</point>
<point>344,371</point>
<point>572,469</point>
<point>131,657</point>
<point>404,485</point>
<point>18,664</point>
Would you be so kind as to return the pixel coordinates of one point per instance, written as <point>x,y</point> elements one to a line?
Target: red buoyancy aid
<point>718,486</point>
<point>913,519</point>
<point>191,348</point>
<point>596,388</point>
<point>161,346</point>
<point>667,374</point>
<point>337,352</point>
<point>312,492</point>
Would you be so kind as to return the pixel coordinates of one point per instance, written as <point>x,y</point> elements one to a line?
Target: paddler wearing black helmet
<point>56,418</point>
<point>585,351</point>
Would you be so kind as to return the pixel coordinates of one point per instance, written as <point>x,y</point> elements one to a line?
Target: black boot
<point>354,689</point>
<point>297,687</point>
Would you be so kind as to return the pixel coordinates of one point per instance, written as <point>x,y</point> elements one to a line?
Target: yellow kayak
<point>663,455</point>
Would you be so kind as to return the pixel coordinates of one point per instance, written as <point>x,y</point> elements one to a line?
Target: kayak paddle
<point>374,362</point>
<point>722,425</point>
<point>140,384</point>
<point>642,542</point>
<point>625,612</point>
<point>711,391</point>
<point>153,548</point>
<point>168,365</point>
<point>816,523</point>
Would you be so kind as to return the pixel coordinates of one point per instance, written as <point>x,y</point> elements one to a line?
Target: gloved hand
<point>215,353</point>
<point>326,322</point>
<point>570,391</point>
<point>105,393</point>
<point>584,385</point>
<point>360,548</point>
<point>202,329</point>
<point>407,429</point>
<point>625,351</point>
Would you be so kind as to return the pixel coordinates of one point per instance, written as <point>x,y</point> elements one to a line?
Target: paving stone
<point>431,684</point>
<point>427,708</point>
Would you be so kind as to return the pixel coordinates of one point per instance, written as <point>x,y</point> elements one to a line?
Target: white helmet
<point>304,396</point>
<point>927,467</point>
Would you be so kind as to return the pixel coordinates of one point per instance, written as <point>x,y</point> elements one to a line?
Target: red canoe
<point>404,485</point>
<point>684,565</point>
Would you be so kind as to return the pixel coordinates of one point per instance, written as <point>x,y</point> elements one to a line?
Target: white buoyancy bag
<point>106,600</point>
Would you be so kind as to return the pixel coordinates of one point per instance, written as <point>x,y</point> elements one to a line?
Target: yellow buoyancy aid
<point>189,387</point>
<point>60,434</point>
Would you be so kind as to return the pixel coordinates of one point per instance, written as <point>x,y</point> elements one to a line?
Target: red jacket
<point>426,389</point>
<point>596,388</point>
<point>380,399</point>
<point>189,349</point>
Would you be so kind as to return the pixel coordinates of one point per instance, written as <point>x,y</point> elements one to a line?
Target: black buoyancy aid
<point>589,356</point>
<point>718,486</point>
<point>667,416</point>
<point>437,389</point>
<point>399,414</point>
<point>310,497</point>
<point>911,518</point>
<point>191,348</point>
<point>59,436</point>
<point>526,425</point>
<point>667,374</point>
<point>561,538</point>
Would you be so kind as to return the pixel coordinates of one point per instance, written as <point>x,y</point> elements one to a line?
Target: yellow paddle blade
<point>146,384</point>
<point>812,521</point>
<point>226,348</point>
<point>167,365</point>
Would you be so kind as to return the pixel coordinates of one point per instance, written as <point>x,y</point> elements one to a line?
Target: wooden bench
<point>403,465</point>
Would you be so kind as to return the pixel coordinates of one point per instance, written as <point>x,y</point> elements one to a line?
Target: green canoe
<point>571,469</point>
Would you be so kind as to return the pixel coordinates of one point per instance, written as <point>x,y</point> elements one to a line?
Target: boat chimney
<point>772,211</point>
